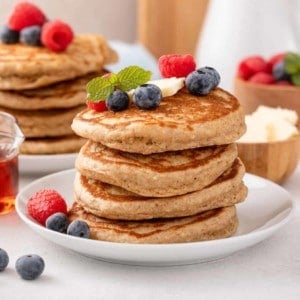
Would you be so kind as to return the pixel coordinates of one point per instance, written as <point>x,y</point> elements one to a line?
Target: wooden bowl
<point>275,161</point>
<point>251,95</point>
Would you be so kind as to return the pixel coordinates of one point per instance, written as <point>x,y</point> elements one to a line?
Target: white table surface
<point>269,270</point>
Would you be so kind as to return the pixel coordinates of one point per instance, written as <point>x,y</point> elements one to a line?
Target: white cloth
<point>236,29</point>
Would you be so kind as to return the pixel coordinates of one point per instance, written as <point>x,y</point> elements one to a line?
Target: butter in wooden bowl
<point>270,148</point>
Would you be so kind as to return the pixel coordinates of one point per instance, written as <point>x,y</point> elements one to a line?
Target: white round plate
<point>267,208</point>
<point>46,164</point>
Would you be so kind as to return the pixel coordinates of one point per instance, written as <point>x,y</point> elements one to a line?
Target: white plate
<point>46,164</point>
<point>267,208</point>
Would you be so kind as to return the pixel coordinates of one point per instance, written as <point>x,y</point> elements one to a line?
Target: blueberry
<point>57,222</point>
<point>214,73</point>
<point>8,36</point>
<point>147,96</point>
<point>279,72</point>
<point>117,101</point>
<point>200,82</point>
<point>31,35</point>
<point>4,259</point>
<point>30,266</point>
<point>79,228</point>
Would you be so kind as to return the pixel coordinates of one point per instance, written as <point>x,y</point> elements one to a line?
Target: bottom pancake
<point>213,224</point>
<point>55,145</point>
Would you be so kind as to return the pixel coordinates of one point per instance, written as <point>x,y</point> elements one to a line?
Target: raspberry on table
<point>30,266</point>
<point>56,35</point>
<point>176,65</point>
<point>25,14</point>
<point>251,65</point>
<point>45,203</point>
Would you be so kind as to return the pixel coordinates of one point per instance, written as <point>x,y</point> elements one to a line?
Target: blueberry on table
<point>79,228</point>
<point>57,222</point>
<point>30,266</point>
<point>31,36</point>
<point>4,259</point>
<point>9,36</point>
<point>147,96</point>
<point>117,101</point>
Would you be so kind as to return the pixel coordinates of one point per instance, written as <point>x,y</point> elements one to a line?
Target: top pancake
<point>26,67</point>
<point>182,121</point>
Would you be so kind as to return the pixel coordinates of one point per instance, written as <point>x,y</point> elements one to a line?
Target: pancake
<point>45,123</point>
<point>65,94</point>
<point>182,121</point>
<point>26,67</point>
<point>54,145</point>
<point>209,225</point>
<point>113,202</point>
<point>156,175</point>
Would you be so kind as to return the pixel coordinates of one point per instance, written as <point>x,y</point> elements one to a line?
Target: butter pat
<point>168,86</point>
<point>269,124</point>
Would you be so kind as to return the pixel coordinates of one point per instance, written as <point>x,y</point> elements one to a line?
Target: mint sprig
<point>96,93</point>
<point>99,88</point>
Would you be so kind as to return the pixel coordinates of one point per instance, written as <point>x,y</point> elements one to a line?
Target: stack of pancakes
<point>44,90</point>
<point>167,175</point>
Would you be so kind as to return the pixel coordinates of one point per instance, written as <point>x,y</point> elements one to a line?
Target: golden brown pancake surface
<point>181,121</point>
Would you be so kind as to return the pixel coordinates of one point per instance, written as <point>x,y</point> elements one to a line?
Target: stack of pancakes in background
<point>44,90</point>
<point>167,175</point>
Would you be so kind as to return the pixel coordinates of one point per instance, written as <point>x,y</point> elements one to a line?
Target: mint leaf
<point>113,79</point>
<point>292,63</point>
<point>131,77</point>
<point>296,79</point>
<point>99,88</point>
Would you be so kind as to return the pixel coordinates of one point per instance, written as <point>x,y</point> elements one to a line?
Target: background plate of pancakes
<point>267,208</point>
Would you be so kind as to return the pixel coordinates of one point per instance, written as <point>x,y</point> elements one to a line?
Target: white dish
<point>267,208</point>
<point>46,164</point>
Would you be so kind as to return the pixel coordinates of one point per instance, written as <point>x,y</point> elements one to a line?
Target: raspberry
<point>97,106</point>
<point>45,203</point>
<point>176,65</point>
<point>262,77</point>
<point>25,14</point>
<point>56,35</point>
<point>250,66</point>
